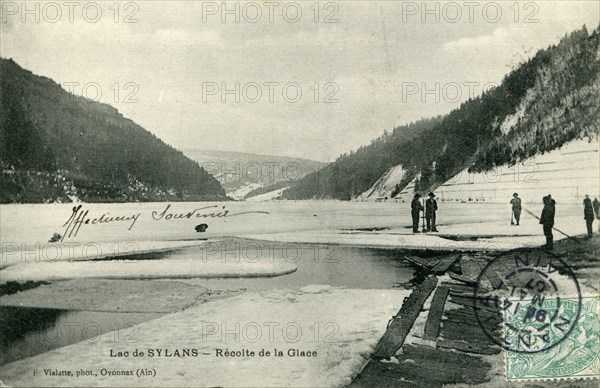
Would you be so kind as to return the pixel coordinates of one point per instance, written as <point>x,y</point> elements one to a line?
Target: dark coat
<point>415,206</point>
<point>547,217</point>
<point>516,203</point>
<point>588,210</point>
<point>430,207</point>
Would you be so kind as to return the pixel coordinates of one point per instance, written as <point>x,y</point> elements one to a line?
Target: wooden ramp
<point>443,265</point>
<point>434,318</point>
<point>401,324</point>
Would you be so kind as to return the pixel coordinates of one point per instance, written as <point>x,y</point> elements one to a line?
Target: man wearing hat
<point>516,207</point>
<point>415,210</point>
<point>430,210</point>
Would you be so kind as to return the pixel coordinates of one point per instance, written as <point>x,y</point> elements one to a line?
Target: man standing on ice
<point>516,207</point>
<point>430,210</point>
<point>415,210</point>
<point>588,215</point>
<point>547,219</point>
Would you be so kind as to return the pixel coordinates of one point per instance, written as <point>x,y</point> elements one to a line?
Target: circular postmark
<point>528,290</point>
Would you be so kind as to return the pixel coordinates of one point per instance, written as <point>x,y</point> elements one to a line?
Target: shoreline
<point>455,339</point>
<point>581,265</point>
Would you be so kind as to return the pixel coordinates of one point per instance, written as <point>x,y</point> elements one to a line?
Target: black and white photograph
<point>306,193</point>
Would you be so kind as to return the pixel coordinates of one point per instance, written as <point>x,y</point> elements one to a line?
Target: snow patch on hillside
<point>385,185</point>
<point>568,174</point>
<point>271,195</point>
<point>408,192</point>
<point>241,192</point>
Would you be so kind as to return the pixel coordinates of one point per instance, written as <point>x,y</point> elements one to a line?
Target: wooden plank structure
<point>434,318</point>
<point>460,342</point>
<point>423,263</point>
<point>463,279</point>
<point>443,265</point>
<point>401,324</point>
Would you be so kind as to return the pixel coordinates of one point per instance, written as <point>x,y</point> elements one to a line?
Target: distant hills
<point>57,147</point>
<point>244,175</point>
<point>548,101</point>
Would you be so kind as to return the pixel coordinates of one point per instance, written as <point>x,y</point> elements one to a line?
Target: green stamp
<point>576,356</point>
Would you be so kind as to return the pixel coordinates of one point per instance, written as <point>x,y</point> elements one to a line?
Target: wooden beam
<point>419,261</point>
<point>401,324</point>
<point>464,279</point>
<point>467,347</point>
<point>432,326</point>
<point>443,265</point>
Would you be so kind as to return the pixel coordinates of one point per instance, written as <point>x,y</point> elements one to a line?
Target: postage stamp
<point>577,356</point>
<point>549,329</point>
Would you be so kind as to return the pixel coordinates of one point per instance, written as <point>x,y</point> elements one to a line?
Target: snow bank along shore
<point>318,336</point>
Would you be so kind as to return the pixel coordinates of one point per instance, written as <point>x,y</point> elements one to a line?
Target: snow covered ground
<point>568,173</point>
<point>340,326</point>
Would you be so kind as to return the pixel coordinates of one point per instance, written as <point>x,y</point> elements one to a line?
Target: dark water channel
<point>25,332</point>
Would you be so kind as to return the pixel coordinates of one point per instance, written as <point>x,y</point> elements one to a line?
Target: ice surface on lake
<point>25,229</point>
<point>142,269</point>
<point>341,326</point>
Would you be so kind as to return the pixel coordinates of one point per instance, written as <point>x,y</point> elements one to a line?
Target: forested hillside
<point>353,173</point>
<point>544,103</point>
<point>55,146</point>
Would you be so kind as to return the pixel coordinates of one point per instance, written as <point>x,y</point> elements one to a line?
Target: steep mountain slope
<point>244,174</point>
<point>567,173</point>
<point>353,173</point>
<point>55,146</point>
<point>548,101</point>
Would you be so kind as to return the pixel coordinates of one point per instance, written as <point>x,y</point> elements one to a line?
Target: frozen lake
<point>355,248</point>
<point>146,227</point>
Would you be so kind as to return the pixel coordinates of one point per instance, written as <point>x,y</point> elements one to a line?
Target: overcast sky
<point>371,62</point>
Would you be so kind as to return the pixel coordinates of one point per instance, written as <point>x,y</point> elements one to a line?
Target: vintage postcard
<point>301,193</point>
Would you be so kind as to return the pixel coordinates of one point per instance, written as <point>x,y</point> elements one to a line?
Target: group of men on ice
<point>430,210</point>
<point>591,211</point>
